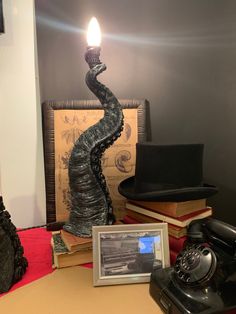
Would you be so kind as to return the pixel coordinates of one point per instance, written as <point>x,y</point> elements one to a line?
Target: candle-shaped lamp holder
<point>91,204</point>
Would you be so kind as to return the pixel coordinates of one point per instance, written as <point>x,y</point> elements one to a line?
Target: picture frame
<point>126,254</point>
<point>71,114</point>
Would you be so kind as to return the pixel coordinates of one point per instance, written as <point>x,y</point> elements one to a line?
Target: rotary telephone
<point>203,279</point>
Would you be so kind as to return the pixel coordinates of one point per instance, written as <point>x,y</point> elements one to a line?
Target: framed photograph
<point>124,254</point>
<point>63,122</point>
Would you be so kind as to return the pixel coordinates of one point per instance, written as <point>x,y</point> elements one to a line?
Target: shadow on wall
<point>223,204</point>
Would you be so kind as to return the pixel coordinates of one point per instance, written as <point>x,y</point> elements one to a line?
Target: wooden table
<point>70,291</point>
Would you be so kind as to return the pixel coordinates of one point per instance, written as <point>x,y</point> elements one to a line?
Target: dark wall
<point>180,55</point>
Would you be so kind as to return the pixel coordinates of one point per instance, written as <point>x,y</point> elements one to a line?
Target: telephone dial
<point>203,279</point>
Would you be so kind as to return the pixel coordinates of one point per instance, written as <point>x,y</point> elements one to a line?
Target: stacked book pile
<point>178,215</point>
<point>69,250</point>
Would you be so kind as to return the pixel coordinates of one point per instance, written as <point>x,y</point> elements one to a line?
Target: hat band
<point>142,187</point>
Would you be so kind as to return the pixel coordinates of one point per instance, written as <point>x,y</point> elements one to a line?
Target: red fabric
<point>37,249</point>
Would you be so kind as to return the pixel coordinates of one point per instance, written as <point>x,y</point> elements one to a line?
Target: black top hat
<point>167,173</point>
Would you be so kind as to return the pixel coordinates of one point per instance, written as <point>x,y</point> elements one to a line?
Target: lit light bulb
<point>93,33</point>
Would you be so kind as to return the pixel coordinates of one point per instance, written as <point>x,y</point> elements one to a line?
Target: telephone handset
<point>203,279</point>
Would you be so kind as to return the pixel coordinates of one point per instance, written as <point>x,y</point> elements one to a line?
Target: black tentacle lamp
<point>90,201</point>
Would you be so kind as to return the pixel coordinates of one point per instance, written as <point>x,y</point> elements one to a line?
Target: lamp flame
<point>93,33</point>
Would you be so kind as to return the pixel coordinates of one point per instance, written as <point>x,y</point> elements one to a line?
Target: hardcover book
<point>74,243</point>
<point>176,232</point>
<point>139,217</point>
<point>176,244</point>
<point>129,220</point>
<point>62,257</point>
<point>182,221</point>
<point>135,218</point>
<point>173,209</point>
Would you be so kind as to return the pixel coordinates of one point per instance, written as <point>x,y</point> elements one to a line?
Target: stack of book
<point>178,215</point>
<point>69,250</point>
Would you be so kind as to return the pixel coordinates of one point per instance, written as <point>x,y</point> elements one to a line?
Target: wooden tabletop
<point>70,290</point>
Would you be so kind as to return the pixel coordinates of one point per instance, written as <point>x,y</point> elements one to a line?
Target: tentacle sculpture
<point>90,201</point>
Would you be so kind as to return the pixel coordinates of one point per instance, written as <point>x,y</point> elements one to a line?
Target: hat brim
<point>126,188</point>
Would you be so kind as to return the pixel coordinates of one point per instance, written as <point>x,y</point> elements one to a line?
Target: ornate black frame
<point>48,108</point>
